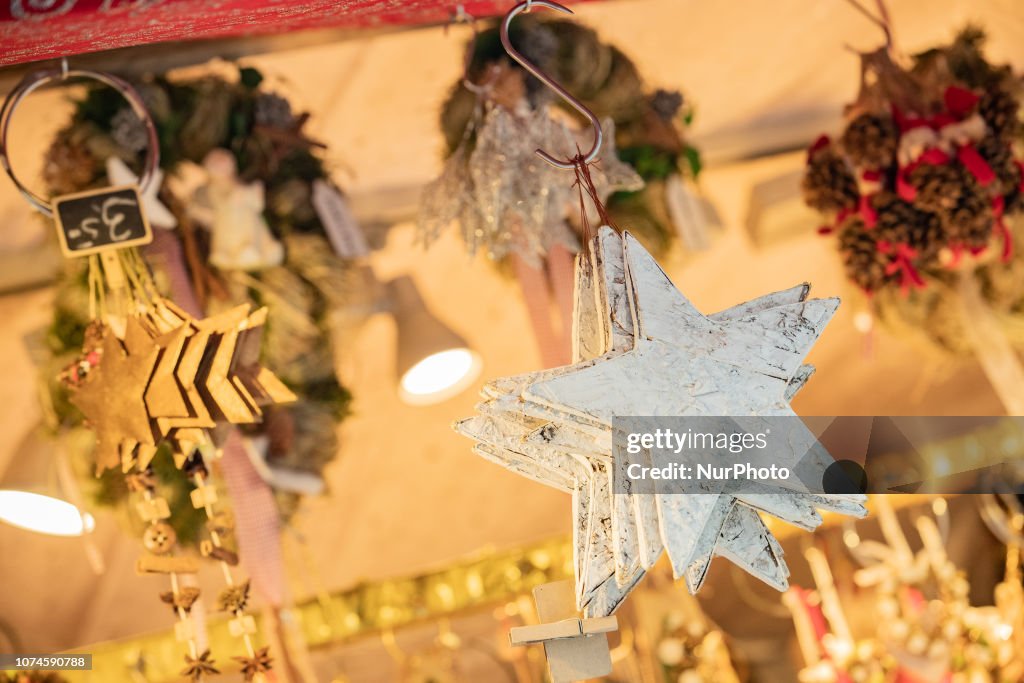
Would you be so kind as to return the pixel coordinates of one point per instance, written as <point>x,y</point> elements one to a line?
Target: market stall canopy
<point>31,30</point>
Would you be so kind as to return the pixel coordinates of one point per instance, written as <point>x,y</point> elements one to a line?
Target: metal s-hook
<point>551,83</point>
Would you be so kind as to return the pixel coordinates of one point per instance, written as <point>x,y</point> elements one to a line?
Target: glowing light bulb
<point>440,376</point>
<point>43,514</point>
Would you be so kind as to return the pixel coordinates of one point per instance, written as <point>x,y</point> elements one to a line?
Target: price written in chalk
<point>100,220</point>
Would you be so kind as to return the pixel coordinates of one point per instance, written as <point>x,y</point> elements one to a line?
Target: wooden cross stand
<point>576,649</point>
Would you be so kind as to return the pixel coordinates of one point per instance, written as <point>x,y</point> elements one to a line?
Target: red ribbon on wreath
<point>976,164</point>
<point>959,103</point>
<point>864,208</point>
<point>902,262</point>
<point>998,206</point>
<point>904,189</point>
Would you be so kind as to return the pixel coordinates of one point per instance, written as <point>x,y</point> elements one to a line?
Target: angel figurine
<point>232,211</point>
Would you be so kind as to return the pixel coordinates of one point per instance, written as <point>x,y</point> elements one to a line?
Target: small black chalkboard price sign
<point>100,220</point>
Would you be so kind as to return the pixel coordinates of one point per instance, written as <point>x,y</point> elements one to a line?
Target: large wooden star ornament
<point>641,348</point>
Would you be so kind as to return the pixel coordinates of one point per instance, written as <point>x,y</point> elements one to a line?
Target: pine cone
<point>621,95</point>
<point>970,223</point>
<point>828,184</point>
<point>966,62</point>
<point>156,99</point>
<point>939,186</point>
<point>865,265</point>
<point>539,44</point>
<point>999,109</point>
<point>900,222</point>
<point>129,131</point>
<point>998,154</point>
<point>208,124</point>
<point>666,103</point>
<point>68,166</point>
<point>583,61</point>
<point>272,110</point>
<point>870,141</point>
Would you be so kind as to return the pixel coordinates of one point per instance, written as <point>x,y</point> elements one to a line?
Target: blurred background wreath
<point>649,127</point>
<point>237,208</point>
<point>925,186</point>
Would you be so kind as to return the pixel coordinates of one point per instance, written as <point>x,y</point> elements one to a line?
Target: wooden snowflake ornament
<point>641,348</point>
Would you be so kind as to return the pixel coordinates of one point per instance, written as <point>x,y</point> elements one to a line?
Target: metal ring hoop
<point>36,80</point>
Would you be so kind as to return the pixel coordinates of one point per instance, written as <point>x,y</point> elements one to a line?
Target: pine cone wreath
<point>864,263</point>
<point>939,186</point>
<point>1014,202</point>
<point>965,60</point>
<point>828,183</point>
<point>999,156</point>
<point>900,222</point>
<point>870,140</point>
<point>1000,111</point>
<point>971,222</point>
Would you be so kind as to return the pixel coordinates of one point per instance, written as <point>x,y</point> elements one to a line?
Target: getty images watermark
<point>820,455</point>
<point>690,441</point>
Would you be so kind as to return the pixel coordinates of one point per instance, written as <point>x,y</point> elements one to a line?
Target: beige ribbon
<point>548,293</point>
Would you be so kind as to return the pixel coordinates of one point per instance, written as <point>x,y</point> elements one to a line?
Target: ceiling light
<point>433,362</point>
<point>31,495</point>
<point>43,514</point>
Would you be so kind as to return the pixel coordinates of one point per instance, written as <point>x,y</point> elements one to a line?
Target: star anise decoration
<point>233,598</point>
<point>257,664</point>
<point>184,598</point>
<point>197,667</point>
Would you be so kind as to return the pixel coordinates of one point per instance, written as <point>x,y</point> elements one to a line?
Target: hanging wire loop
<point>38,79</point>
<point>595,122</point>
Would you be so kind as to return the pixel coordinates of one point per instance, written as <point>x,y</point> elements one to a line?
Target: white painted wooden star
<point>663,358</point>
<point>156,213</point>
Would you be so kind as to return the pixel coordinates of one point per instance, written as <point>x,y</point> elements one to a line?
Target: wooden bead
<point>202,496</point>
<point>159,538</point>
<point>242,625</point>
<point>153,509</point>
